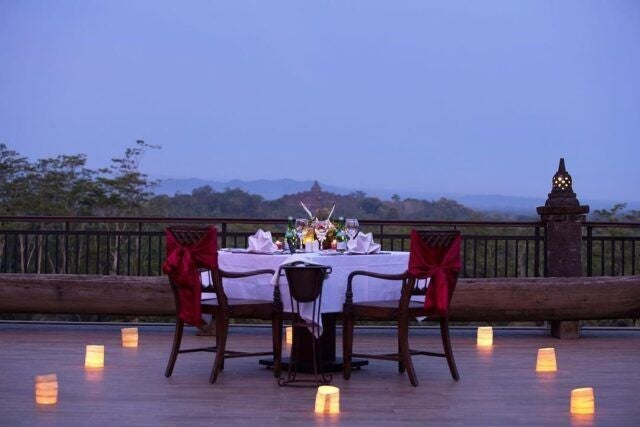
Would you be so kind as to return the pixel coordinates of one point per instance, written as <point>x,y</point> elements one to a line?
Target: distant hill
<point>269,189</point>
<point>276,188</point>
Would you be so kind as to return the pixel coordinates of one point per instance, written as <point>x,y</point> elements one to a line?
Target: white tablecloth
<point>335,286</point>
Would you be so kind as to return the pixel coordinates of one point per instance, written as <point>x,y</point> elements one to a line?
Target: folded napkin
<point>363,244</point>
<point>262,243</point>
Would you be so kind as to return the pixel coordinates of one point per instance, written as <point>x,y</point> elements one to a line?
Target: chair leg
<point>276,330</point>
<point>222,329</point>
<point>405,353</point>
<point>347,344</point>
<point>177,339</point>
<point>401,367</point>
<point>446,343</point>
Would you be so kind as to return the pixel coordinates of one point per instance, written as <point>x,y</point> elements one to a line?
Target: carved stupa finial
<point>562,198</point>
<point>561,181</point>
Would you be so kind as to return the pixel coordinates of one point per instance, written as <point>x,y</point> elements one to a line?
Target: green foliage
<point>616,214</point>
<point>235,203</point>
<point>122,187</point>
<point>64,186</point>
<point>60,186</point>
<point>14,171</point>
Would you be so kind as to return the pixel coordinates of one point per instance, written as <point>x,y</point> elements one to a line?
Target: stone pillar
<point>563,216</point>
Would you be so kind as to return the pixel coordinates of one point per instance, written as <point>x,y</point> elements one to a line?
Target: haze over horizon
<point>445,97</point>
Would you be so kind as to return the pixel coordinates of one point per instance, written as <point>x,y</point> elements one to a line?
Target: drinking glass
<point>321,228</point>
<point>352,227</point>
<point>301,225</point>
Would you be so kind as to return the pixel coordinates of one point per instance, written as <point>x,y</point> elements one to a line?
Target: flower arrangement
<point>311,216</point>
<point>331,233</point>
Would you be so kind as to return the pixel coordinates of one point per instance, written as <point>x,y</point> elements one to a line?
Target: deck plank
<point>497,387</point>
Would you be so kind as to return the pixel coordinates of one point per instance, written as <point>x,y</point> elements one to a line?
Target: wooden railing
<point>611,249</point>
<point>134,246</point>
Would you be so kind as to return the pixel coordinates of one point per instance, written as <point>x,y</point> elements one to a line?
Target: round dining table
<point>333,294</point>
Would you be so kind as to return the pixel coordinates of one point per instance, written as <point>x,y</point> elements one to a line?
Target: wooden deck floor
<point>498,387</point>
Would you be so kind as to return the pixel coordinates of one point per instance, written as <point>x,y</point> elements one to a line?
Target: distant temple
<point>315,188</point>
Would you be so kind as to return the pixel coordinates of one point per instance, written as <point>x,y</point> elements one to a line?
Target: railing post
<point>562,216</point>
<point>589,251</point>
<point>66,248</point>
<point>536,256</point>
<point>223,235</point>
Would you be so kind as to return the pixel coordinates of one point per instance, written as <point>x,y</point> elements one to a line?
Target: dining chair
<point>305,282</point>
<point>189,251</point>
<point>434,256</point>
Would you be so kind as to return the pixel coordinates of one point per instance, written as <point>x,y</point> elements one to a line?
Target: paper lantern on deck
<point>546,361</point>
<point>582,401</point>
<point>289,334</point>
<point>328,400</point>
<point>129,337</point>
<point>47,389</point>
<point>94,357</point>
<point>485,336</point>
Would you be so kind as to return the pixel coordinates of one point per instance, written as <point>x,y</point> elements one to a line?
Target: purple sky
<point>475,97</point>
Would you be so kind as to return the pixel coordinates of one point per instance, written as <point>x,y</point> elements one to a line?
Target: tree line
<point>65,186</point>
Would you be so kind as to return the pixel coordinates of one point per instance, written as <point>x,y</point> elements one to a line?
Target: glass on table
<point>301,225</point>
<point>351,227</point>
<point>321,228</point>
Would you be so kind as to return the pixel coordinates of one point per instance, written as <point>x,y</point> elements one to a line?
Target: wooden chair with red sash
<point>189,250</point>
<point>434,256</point>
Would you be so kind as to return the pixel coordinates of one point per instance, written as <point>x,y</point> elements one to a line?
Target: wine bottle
<point>290,236</point>
<point>341,236</point>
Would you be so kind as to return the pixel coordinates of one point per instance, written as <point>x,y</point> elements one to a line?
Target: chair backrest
<point>187,235</point>
<point>305,280</point>
<point>438,238</point>
<point>189,248</point>
<point>434,254</point>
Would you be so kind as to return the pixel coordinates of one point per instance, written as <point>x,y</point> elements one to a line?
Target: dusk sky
<point>472,97</point>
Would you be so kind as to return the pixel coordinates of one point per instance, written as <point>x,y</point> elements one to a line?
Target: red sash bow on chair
<point>182,265</point>
<point>442,264</point>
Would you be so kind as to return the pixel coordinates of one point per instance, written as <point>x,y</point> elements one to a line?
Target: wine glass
<point>352,227</point>
<point>321,229</point>
<point>301,225</point>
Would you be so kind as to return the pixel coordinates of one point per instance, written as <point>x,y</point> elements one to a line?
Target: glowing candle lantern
<point>582,401</point>
<point>485,336</point>
<point>546,361</point>
<point>309,236</point>
<point>129,337</point>
<point>94,357</point>
<point>47,389</point>
<point>289,334</point>
<point>328,400</point>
